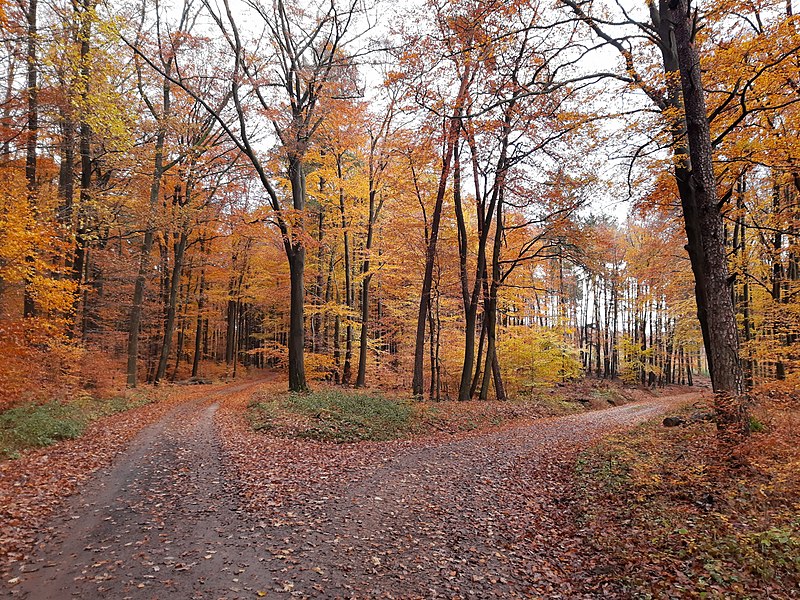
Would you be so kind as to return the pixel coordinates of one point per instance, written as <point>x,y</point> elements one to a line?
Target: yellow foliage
<point>533,356</point>
<point>17,228</point>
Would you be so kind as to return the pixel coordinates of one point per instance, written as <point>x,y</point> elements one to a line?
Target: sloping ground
<point>680,516</point>
<point>451,516</point>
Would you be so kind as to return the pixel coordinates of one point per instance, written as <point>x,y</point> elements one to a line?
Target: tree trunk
<point>476,378</point>
<point>296,254</point>
<point>778,276</point>
<point>147,244</point>
<point>348,281</point>
<point>201,299</point>
<point>316,322</point>
<point>85,150</point>
<point>297,372</point>
<point>430,255</point>
<point>169,324</point>
<point>28,307</point>
<point>492,365</point>
<point>366,279</point>
<point>703,216</point>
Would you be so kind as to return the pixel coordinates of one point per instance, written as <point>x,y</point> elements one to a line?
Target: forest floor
<point>198,505</point>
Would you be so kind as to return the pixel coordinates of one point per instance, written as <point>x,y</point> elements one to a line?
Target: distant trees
<point>694,134</point>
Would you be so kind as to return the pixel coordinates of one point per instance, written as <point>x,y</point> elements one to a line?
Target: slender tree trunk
<point>28,307</point>
<point>201,299</point>
<point>476,378</point>
<point>230,314</point>
<point>169,325</point>
<point>432,351</point>
<point>296,254</point>
<point>366,279</point>
<point>184,309</point>
<point>490,314</point>
<point>470,297</point>
<point>361,377</point>
<point>425,297</point>
<point>337,344</point>
<point>66,170</point>
<point>11,77</point>
<point>85,149</point>
<point>778,276</point>
<point>469,379</point>
<point>492,365</point>
<point>326,325</point>
<point>134,324</point>
<point>348,282</point>
<point>316,322</point>
<point>230,333</point>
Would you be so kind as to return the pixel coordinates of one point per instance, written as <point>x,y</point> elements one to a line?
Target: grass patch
<point>334,416</point>
<point>35,425</point>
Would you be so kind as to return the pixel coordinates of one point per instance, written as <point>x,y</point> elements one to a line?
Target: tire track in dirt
<point>436,519</point>
<point>157,524</point>
<point>479,517</point>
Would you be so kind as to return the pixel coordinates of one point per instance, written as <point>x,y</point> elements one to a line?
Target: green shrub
<point>37,425</point>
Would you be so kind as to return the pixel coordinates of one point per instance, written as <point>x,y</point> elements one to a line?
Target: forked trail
<point>476,517</point>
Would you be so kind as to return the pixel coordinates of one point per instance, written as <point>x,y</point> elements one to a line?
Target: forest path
<point>475,517</point>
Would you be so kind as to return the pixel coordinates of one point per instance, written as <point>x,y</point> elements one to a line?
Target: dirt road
<point>479,517</point>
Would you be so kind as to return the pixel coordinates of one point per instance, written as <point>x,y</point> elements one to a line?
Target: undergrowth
<point>334,416</point>
<point>35,425</point>
<point>675,520</point>
<point>341,415</point>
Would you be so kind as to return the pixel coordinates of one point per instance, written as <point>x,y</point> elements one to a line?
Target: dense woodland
<point>415,197</point>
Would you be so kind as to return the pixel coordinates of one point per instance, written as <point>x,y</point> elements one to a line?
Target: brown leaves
<point>34,487</point>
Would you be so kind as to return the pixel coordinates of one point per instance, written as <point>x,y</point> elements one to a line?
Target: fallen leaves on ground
<point>35,485</point>
<point>467,515</point>
<point>678,517</point>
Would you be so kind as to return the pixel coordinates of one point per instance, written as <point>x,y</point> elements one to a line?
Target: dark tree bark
<point>347,370</point>
<point>476,378</point>
<point>491,369</point>
<point>376,168</point>
<point>169,324</point>
<point>296,254</point>
<point>778,274</point>
<point>450,141</point>
<point>366,277</point>
<point>308,59</point>
<point>201,301</point>
<point>703,218</point>
<point>316,322</point>
<point>674,23</point>
<point>134,325</point>
<point>29,308</point>
<point>82,231</point>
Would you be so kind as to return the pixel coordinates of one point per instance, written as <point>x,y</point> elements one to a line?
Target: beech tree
<point>451,208</point>
<point>302,60</point>
<point>673,29</point>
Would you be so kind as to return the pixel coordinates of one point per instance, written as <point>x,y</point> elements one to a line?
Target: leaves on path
<point>467,515</point>
<point>34,487</point>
